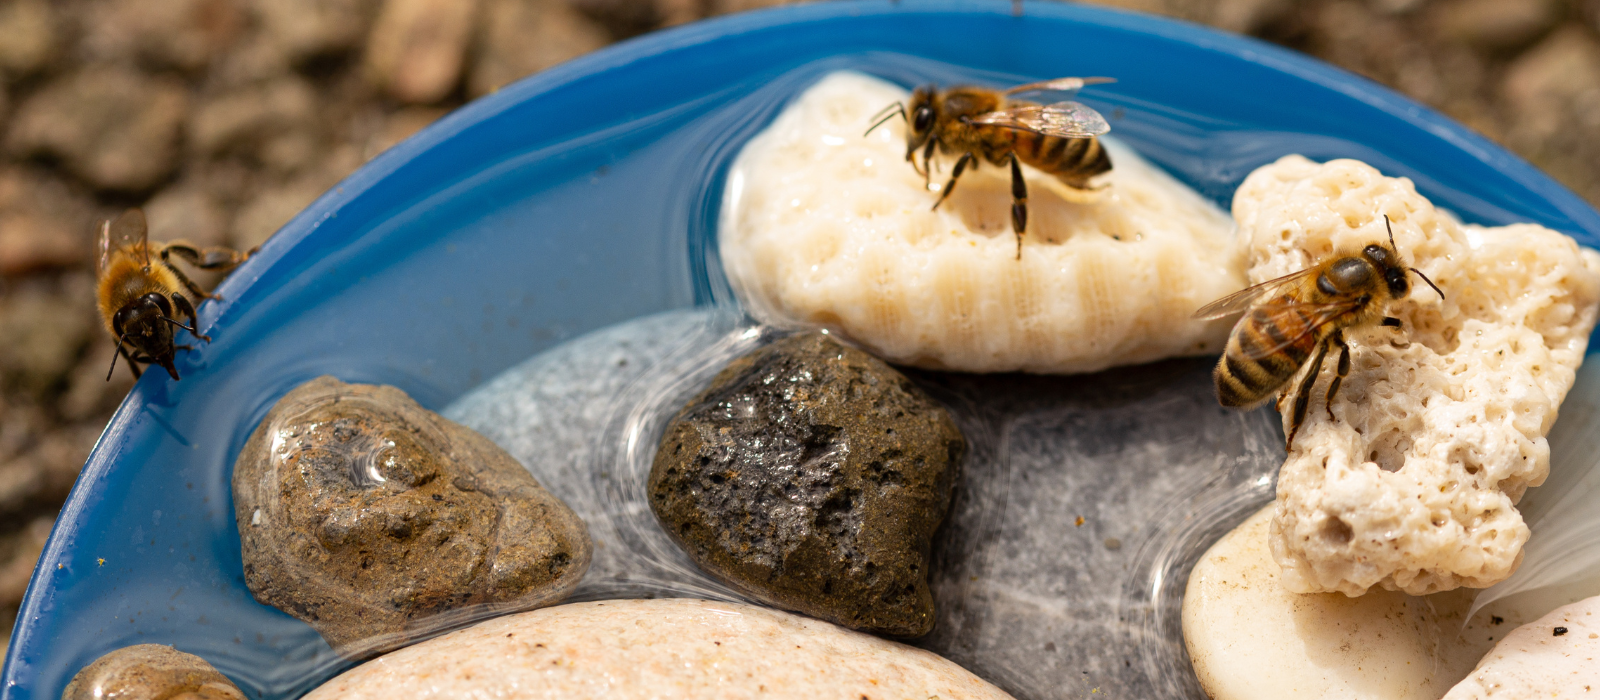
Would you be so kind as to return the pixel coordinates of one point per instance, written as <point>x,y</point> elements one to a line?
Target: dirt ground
<point>223,118</point>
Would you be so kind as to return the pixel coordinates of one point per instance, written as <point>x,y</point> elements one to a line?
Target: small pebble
<point>150,672</point>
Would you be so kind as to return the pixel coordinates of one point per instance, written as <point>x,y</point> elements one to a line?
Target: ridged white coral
<point>1440,426</point>
<point>822,226</point>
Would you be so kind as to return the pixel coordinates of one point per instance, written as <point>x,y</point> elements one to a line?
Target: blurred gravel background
<point>223,118</point>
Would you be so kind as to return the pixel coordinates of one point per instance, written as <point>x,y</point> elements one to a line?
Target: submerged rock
<point>376,521</point>
<point>150,671</point>
<point>812,476</point>
<point>1029,595</point>
<point>674,648</point>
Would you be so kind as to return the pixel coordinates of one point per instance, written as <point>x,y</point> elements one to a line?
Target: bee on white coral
<point>1058,138</point>
<point>1289,318</point>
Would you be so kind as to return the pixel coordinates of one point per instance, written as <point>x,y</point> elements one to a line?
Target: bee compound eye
<point>120,319</point>
<point>922,119</point>
<point>1398,284</point>
<point>160,302</point>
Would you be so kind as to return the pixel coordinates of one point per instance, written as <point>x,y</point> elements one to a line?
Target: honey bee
<point>976,122</point>
<point>140,292</point>
<point>1288,319</point>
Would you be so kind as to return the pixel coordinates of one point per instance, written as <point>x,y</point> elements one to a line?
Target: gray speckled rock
<point>148,672</point>
<point>377,522</point>
<point>812,476</point>
<point>1028,598</point>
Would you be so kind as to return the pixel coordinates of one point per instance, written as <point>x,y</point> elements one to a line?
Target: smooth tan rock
<point>661,649</point>
<point>150,672</point>
<point>1556,656</point>
<point>1250,639</point>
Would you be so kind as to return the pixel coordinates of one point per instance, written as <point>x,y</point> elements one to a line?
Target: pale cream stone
<point>1250,639</point>
<point>824,226</point>
<point>1534,662</point>
<point>1441,425</point>
<point>658,649</point>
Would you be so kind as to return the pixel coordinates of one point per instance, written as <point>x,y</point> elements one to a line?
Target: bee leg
<point>131,365</point>
<point>1302,394</point>
<point>215,258</point>
<point>1019,203</point>
<point>1391,322</point>
<point>927,163</point>
<point>184,308</point>
<point>954,175</point>
<point>1338,378</point>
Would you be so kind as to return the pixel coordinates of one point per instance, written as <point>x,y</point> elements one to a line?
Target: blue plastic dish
<point>587,195</point>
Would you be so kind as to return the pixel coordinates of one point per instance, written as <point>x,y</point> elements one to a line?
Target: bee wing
<point>1065,119</point>
<point>1058,85</point>
<point>1245,298</point>
<point>128,233</point>
<point>1307,317</point>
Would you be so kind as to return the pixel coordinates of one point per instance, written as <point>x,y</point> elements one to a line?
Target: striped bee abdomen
<point>1248,373</point>
<point>1074,160</point>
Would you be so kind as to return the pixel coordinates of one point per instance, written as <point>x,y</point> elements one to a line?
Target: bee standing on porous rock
<point>141,295</point>
<point>1288,318</point>
<point>1409,477</point>
<point>1058,138</point>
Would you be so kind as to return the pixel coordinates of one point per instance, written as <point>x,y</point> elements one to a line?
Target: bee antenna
<point>114,357</point>
<point>178,324</point>
<point>1430,282</point>
<point>1396,249</point>
<point>886,114</point>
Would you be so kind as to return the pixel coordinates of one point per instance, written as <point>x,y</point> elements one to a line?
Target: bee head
<point>921,116</point>
<point>1394,271</point>
<point>1394,268</point>
<point>144,325</point>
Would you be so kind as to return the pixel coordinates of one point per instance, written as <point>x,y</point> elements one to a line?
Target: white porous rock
<point>1440,426</point>
<point>823,226</point>
<point>1250,639</point>
<point>1534,661</point>
<point>661,649</point>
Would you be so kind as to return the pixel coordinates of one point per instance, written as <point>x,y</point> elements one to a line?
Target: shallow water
<point>1029,598</point>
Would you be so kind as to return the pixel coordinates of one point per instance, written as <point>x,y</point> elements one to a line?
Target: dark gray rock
<point>812,476</point>
<point>150,672</point>
<point>378,522</point>
<point>585,416</point>
<point>1029,597</point>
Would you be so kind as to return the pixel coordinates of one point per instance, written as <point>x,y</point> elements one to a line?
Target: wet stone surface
<point>1044,571</point>
<point>150,671</point>
<point>812,476</point>
<point>378,522</point>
